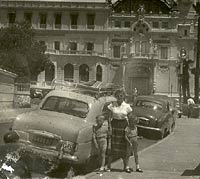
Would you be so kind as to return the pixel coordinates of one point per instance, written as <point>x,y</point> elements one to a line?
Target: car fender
<point>85,147</point>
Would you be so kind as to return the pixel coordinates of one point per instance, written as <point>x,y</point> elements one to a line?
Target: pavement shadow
<point>195,172</point>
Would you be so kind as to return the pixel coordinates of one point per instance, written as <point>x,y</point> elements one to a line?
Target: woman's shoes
<point>139,170</point>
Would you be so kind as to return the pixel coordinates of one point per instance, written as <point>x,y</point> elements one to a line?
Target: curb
<point>89,175</point>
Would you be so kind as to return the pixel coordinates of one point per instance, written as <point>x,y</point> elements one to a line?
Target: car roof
<point>152,98</point>
<point>78,96</point>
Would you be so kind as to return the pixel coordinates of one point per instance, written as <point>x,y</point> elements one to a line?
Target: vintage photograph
<point>99,89</point>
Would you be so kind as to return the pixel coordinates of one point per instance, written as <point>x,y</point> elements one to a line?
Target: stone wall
<point>6,89</point>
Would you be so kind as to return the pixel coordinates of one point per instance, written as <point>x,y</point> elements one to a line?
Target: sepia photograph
<point>99,89</point>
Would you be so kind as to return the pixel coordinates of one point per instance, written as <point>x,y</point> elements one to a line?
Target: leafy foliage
<point>20,53</point>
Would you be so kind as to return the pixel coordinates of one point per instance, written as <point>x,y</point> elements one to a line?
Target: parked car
<point>155,114</point>
<point>61,127</point>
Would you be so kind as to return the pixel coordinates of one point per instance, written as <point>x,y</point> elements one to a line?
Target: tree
<point>20,53</point>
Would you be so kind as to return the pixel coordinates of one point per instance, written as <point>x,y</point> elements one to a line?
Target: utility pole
<point>197,70</point>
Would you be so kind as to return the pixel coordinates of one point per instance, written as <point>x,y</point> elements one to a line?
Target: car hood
<point>63,125</point>
<point>147,113</point>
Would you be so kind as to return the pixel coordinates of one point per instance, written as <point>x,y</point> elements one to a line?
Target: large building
<point>134,43</point>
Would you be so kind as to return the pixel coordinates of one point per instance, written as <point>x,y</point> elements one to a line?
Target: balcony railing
<point>74,52</point>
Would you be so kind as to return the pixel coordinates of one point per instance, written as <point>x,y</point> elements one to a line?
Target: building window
<point>99,73</point>
<point>155,25</point>
<point>73,47</point>
<point>84,72</point>
<point>165,25</point>
<point>137,48</point>
<point>57,45</point>
<point>28,17</point>
<point>90,21</point>
<point>43,20</point>
<point>118,24</point>
<point>116,51</point>
<point>74,21</point>
<point>164,52</point>
<point>68,72</point>
<point>127,24</point>
<point>42,42</point>
<point>11,17</point>
<point>58,18</point>
<point>185,32</point>
<point>90,47</point>
<point>144,48</point>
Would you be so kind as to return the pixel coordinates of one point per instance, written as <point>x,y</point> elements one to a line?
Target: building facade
<point>132,43</point>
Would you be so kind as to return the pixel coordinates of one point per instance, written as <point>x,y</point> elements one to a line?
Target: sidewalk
<point>177,156</point>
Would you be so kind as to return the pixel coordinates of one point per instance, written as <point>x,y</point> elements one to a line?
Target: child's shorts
<point>102,144</point>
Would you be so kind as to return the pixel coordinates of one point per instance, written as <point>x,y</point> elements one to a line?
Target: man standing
<point>190,103</point>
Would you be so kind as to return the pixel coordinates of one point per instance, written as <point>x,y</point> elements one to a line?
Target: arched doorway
<point>84,72</point>
<point>99,73</point>
<point>49,72</point>
<point>68,72</point>
<point>139,77</point>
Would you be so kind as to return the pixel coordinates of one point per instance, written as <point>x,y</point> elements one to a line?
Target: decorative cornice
<point>59,4</point>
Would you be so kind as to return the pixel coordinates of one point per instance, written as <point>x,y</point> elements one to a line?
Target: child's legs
<point>102,150</point>
<point>135,149</point>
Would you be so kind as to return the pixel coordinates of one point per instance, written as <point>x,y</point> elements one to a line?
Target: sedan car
<point>61,127</point>
<point>155,114</point>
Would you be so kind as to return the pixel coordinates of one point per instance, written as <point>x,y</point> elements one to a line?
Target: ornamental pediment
<point>150,6</point>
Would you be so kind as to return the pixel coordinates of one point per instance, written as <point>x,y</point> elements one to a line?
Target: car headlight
<point>68,147</point>
<point>11,137</point>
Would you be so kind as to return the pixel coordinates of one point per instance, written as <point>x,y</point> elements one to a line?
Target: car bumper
<point>47,153</point>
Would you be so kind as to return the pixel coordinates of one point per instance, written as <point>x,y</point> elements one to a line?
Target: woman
<point>118,121</point>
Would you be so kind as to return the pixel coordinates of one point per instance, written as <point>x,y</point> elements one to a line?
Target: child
<point>100,134</point>
<point>131,138</point>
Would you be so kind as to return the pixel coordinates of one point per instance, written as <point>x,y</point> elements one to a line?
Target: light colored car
<point>155,114</point>
<point>61,127</point>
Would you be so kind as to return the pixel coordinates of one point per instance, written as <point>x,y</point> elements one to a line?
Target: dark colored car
<point>155,114</point>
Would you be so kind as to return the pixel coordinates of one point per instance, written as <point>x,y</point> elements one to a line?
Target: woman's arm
<point>127,139</point>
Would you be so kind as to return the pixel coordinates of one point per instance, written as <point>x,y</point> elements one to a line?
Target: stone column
<point>50,20</point>
<point>19,16</point>
<point>35,19</point>
<point>55,69</point>
<point>60,73</point>
<point>76,72</point>
<point>92,72</point>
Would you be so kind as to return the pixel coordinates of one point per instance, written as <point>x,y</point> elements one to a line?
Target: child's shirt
<point>130,132</point>
<point>101,132</point>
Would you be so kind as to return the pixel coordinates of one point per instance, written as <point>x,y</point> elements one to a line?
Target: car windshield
<point>66,105</point>
<point>149,104</point>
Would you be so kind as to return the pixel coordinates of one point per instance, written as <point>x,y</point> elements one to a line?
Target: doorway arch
<point>99,73</point>
<point>49,72</point>
<point>84,72</point>
<point>69,72</point>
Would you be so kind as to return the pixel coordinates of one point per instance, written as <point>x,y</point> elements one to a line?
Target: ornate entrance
<point>140,77</point>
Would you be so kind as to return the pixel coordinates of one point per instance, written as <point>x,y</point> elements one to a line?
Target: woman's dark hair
<point>119,91</point>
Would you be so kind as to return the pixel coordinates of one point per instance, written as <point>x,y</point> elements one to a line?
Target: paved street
<point>177,156</point>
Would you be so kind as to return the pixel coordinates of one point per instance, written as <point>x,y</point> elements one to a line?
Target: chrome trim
<point>144,118</point>
<point>51,153</point>
<point>149,128</point>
